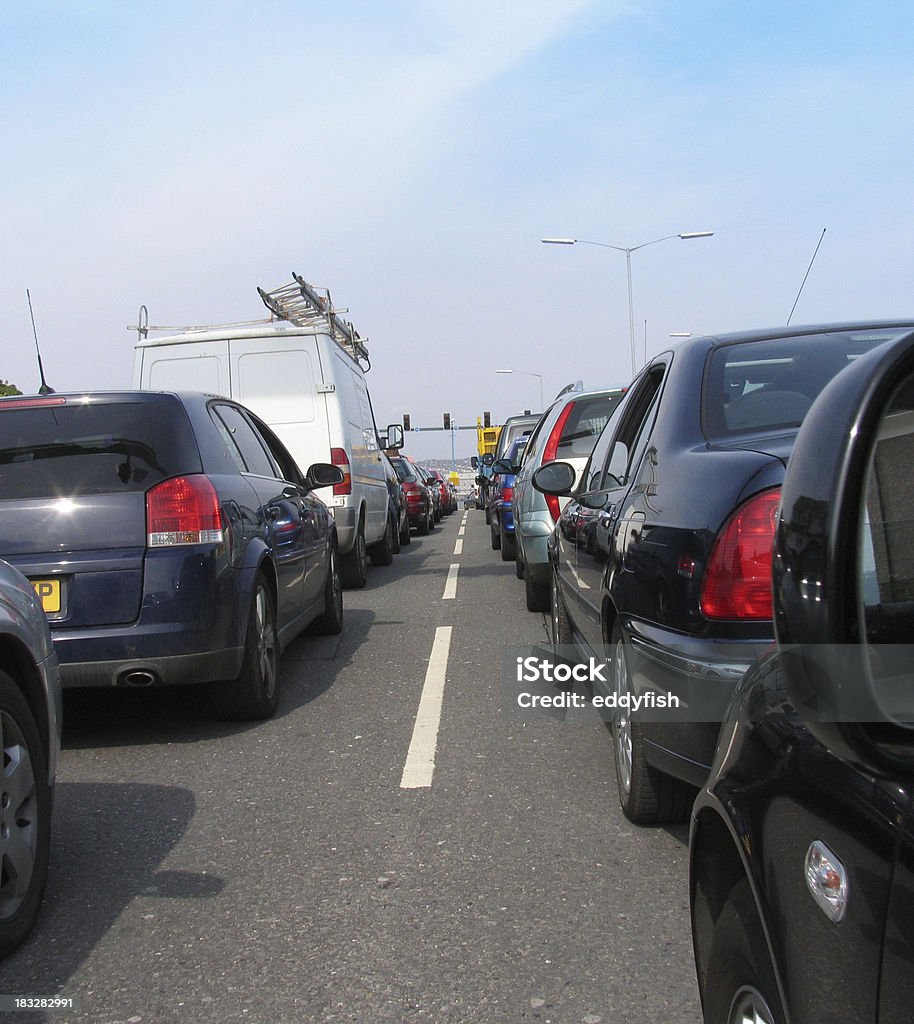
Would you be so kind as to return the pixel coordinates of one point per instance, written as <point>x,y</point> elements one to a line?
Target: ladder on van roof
<point>302,304</point>
<point>298,303</point>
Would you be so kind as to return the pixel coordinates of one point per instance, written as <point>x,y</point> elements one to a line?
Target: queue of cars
<point>741,539</point>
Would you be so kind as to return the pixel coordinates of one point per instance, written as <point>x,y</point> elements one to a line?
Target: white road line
<point>458,547</point>
<point>450,586</point>
<point>420,760</point>
<point>461,531</point>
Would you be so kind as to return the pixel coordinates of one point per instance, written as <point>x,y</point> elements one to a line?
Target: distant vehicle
<point>661,559</point>
<point>513,428</point>
<point>501,521</point>
<point>305,378</point>
<point>419,512</point>
<point>801,841</point>
<point>172,537</point>
<point>30,723</point>
<point>568,430</point>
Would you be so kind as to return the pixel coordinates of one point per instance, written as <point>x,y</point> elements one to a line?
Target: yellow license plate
<point>48,592</point>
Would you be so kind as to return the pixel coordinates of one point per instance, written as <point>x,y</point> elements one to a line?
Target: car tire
<point>518,562</point>
<point>508,545</point>
<point>422,527</point>
<point>495,534</point>
<point>647,796</point>
<point>405,536</point>
<point>254,694</point>
<point>354,564</point>
<point>382,553</point>
<point>740,983</point>
<point>396,534</point>
<point>560,626</point>
<point>330,621</point>
<point>536,594</point>
<point>25,834</point>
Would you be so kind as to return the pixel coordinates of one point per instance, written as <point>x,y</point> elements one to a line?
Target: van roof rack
<point>296,302</point>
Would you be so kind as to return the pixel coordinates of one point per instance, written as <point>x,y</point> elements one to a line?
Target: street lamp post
<point>529,373</point>
<point>628,250</point>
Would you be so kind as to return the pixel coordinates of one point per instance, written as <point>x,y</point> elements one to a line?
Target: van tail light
<point>737,582</point>
<point>507,494</point>
<point>551,448</point>
<point>183,510</point>
<point>552,503</point>
<point>339,457</point>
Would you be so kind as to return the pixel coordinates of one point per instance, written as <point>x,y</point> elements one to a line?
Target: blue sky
<point>410,155</point>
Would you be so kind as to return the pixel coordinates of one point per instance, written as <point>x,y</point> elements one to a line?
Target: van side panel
<point>192,367</point>
<point>280,385</point>
<point>365,456</point>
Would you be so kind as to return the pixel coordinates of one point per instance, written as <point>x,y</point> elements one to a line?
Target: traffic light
<point>447,421</point>
<point>487,419</point>
<point>406,421</point>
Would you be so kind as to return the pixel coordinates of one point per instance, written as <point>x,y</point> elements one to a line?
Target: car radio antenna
<point>45,388</point>
<point>803,285</point>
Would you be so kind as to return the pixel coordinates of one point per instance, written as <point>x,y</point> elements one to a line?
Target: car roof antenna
<point>45,388</point>
<point>803,285</point>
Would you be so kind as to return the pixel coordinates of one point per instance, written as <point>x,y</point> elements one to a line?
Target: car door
<point>605,505</point>
<point>281,507</point>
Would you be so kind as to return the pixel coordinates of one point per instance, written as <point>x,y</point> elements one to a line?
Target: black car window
<point>66,446</point>
<point>536,436</point>
<point>288,467</point>
<point>634,429</point>
<point>771,383</point>
<point>247,440</point>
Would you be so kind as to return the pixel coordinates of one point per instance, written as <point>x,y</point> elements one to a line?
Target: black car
<point>30,724</point>
<point>802,842</point>
<point>661,559</point>
<point>171,537</point>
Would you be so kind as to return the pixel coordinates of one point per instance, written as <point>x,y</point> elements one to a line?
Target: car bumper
<point>345,519</point>
<point>533,532</point>
<point>702,674</point>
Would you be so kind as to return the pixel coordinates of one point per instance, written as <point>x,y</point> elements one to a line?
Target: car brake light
<point>552,444</point>
<point>183,510</point>
<point>507,494</point>
<point>737,582</point>
<point>339,458</point>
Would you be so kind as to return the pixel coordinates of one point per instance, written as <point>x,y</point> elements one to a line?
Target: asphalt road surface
<point>395,845</point>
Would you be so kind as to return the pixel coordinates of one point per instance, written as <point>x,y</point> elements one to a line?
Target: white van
<point>304,377</point>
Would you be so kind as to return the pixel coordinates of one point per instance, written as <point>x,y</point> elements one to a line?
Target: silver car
<point>568,431</point>
<point>30,720</point>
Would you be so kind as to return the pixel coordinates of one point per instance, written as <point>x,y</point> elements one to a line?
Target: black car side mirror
<point>323,474</point>
<point>555,478</point>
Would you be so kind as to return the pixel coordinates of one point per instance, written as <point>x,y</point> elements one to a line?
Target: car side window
<point>631,438</point>
<point>288,467</point>
<point>246,439</point>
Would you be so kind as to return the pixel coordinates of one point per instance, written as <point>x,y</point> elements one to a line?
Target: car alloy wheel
<point>254,694</point>
<point>622,724</point>
<point>331,621</point>
<point>25,809</point>
<point>354,565</point>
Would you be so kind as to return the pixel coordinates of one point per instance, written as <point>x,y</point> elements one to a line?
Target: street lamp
<point>529,373</point>
<point>628,250</point>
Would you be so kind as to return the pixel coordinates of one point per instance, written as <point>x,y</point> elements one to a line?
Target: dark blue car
<point>170,537</point>
<point>501,505</point>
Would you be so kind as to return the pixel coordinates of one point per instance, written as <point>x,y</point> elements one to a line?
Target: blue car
<point>171,539</point>
<point>501,505</point>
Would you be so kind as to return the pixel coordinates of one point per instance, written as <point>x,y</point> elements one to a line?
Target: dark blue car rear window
<point>78,447</point>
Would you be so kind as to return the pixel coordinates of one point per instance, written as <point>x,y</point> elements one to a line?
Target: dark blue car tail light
<point>183,510</point>
<point>737,582</point>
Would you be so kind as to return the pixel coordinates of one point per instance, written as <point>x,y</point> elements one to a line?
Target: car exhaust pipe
<point>138,678</point>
